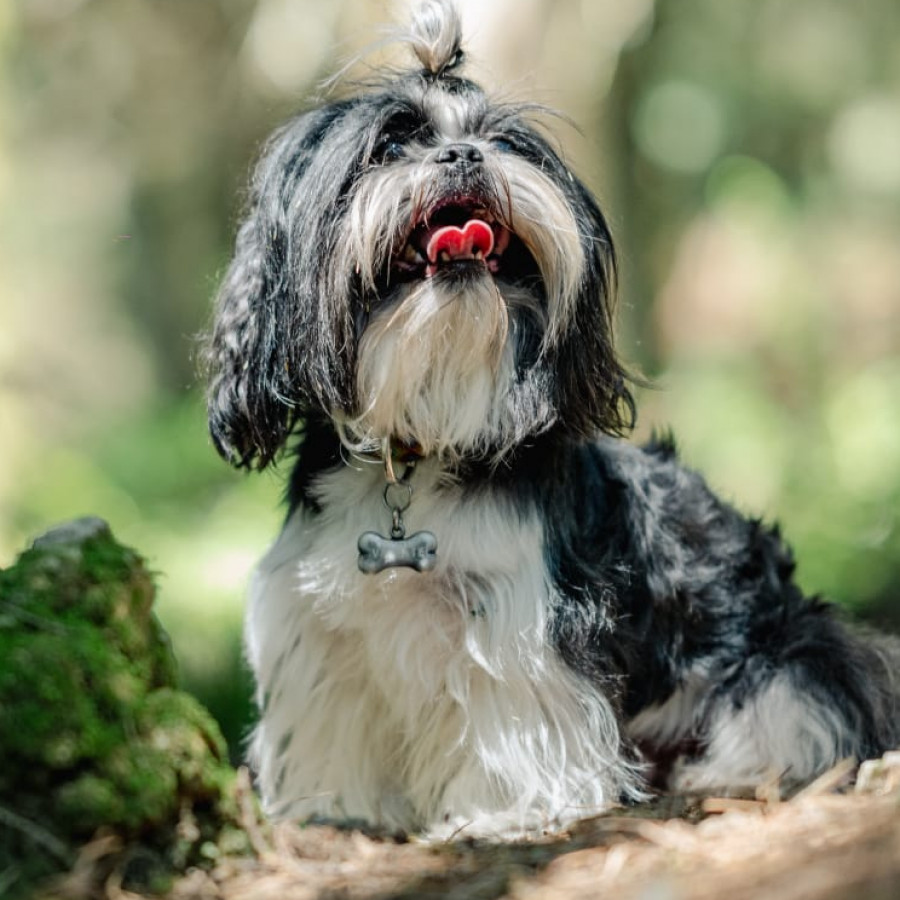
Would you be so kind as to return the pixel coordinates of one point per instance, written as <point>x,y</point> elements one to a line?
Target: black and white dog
<point>421,299</point>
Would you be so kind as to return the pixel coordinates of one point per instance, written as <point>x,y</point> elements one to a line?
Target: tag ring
<point>391,490</point>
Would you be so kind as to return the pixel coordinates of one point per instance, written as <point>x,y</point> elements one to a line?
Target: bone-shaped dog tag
<point>377,553</point>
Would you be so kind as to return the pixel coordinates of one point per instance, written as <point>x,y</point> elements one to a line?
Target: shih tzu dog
<point>487,611</point>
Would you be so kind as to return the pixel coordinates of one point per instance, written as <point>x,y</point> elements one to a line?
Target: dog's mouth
<point>461,237</point>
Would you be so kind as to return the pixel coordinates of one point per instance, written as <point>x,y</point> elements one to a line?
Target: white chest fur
<point>430,700</point>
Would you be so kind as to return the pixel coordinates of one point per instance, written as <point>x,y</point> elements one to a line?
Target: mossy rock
<point>94,735</point>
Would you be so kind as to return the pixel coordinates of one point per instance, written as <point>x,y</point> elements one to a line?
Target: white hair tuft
<point>436,36</point>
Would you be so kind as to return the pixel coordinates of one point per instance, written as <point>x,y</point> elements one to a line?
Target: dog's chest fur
<point>442,682</point>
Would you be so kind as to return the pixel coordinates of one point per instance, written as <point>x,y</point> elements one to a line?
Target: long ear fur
<point>589,386</point>
<point>271,354</point>
<point>592,386</point>
<point>248,421</point>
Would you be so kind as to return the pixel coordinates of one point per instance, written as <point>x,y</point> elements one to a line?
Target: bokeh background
<point>747,153</point>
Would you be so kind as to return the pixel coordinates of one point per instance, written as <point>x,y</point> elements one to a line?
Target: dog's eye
<point>503,145</point>
<point>387,150</point>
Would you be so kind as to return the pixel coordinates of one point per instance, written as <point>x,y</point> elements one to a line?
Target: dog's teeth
<point>444,256</point>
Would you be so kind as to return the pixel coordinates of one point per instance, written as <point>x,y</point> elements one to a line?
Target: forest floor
<point>827,843</point>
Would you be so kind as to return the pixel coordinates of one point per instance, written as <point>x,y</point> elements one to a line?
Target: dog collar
<point>394,450</point>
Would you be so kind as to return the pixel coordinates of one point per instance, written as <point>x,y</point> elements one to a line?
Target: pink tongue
<point>462,242</point>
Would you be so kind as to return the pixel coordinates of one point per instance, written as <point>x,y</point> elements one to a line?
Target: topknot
<point>436,36</point>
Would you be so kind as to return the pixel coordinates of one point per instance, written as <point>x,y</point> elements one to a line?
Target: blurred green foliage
<point>748,155</point>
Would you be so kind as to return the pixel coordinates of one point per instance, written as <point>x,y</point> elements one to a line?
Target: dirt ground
<point>829,842</point>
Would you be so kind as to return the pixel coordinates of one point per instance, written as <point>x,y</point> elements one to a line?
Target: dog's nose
<point>460,153</point>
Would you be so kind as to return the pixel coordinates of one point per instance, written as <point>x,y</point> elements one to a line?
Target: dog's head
<point>418,264</point>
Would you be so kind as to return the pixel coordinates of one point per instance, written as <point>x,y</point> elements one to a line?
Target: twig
<point>769,790</point>
<point>34,832</point>
<point>248,817</point>
<point>715,805</point>
<point>114,890</point>
<point>670,835</point>
<point>8,878</point>
<point>827,781</point>
<point>42,623</point>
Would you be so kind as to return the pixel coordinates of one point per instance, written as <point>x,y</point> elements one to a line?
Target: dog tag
<point>377,553</point>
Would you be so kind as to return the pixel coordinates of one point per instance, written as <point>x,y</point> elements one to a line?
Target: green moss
<point>95,733</point>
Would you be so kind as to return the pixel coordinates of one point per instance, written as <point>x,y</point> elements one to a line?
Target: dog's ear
<point>249,419</point>
<point>592,385</point>
<point>269,358</point>
<point>578,370</point>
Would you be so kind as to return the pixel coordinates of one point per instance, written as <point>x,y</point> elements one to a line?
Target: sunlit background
<point>747,153</point>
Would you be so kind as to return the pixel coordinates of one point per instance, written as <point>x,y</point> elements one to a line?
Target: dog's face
<point>417,263</point>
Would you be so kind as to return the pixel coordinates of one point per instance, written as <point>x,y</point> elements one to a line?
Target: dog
<point>487,612</point>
